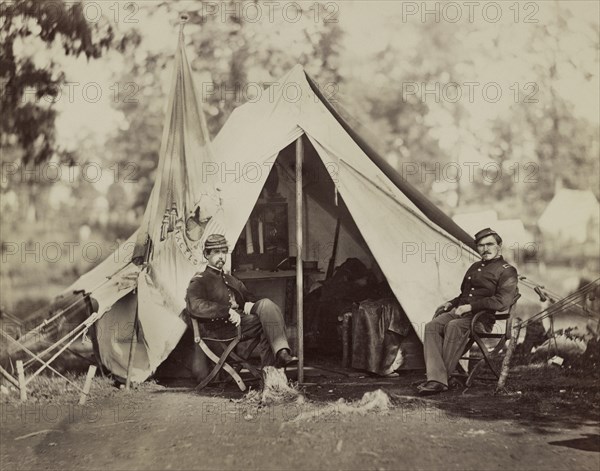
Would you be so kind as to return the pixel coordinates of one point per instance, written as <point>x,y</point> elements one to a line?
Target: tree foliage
<point>27,121</point>
<point>232,60</point>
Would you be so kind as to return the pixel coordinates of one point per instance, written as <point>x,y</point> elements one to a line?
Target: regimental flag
<point>185,198</point>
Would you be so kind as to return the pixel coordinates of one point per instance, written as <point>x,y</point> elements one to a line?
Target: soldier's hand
<point>234,317</point>
<point>247,308</point>
<point>460,310</point>
<point>443,308</point>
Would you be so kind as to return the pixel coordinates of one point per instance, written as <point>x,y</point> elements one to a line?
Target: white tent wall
<point>161,300</point>
<point>244,151</point>
<point>114,330</point>
<point>390,223</point>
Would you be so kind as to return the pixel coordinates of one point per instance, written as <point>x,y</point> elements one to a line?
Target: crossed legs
<point>266,322</point>
<point>446,337</point>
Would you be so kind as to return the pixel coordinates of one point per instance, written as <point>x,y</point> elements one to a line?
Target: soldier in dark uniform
<point>221,302</point>
<point>489,285</point>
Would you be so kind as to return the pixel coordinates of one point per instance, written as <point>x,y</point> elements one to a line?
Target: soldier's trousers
<point>264,322</point>
<point>446,337</point>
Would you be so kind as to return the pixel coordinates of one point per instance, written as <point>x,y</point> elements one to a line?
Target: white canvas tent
<point>420,251</point>
<point>572,217</point>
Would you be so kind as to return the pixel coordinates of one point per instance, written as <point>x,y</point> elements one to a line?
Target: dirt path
<point>175,429</point>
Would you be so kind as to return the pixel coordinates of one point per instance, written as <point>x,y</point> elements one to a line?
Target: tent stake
<point>88,383</point>
<point>22,383</point>
<point>299,258</point>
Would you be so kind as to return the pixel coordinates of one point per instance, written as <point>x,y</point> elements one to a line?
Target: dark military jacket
<point>488,286</point>
<point>208,298</point>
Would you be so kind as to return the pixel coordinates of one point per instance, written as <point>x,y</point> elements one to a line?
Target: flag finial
<point>183,19</point>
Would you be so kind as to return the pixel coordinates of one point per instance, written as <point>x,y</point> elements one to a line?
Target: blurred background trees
<point>27,120</point>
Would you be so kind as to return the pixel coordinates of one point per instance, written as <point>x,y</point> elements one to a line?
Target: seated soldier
<point>221,302</point>
<point>489,285</point>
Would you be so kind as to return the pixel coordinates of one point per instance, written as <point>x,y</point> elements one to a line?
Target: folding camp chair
<point>476,337</point>
<point>227,346</point>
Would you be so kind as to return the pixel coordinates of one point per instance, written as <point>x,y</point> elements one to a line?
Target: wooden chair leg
<point>487,356</point>
<point>236,377</point>
<point>245,364</point>
<point>220,363</point>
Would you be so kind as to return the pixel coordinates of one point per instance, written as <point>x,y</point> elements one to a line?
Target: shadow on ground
<point>541,399</point>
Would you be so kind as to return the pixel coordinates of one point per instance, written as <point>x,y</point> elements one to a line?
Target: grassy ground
<point>570,387</point>
<point>548,420</point>
<point>46,389</point>
<point>567,388</point>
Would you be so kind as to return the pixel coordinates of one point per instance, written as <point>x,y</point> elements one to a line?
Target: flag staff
<point>183,19</point>
<point>299,257</point>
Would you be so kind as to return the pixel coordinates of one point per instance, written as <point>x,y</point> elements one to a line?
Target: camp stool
<point>228,353</point>
<point>476,337</point>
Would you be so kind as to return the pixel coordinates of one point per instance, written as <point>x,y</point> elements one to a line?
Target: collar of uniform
<point>214,270</point>
<point>493,260</point>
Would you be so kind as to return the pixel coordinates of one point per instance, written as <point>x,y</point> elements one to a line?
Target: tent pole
<point>131,345</point>
<point>299,257</point>
<point>136,320</point>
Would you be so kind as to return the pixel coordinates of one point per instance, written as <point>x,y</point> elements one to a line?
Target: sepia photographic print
<point>299,235</point>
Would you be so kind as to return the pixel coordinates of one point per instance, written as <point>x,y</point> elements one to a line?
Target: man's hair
<point>209,251</point>
<point>486,233</point>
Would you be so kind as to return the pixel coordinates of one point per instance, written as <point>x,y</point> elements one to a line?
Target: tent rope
<point>36,357</point>
<point>560,305</point>
<point>47,322</point>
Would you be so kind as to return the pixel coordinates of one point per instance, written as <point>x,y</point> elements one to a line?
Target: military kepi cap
<point>484,233</point>
<point>215,241</point>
